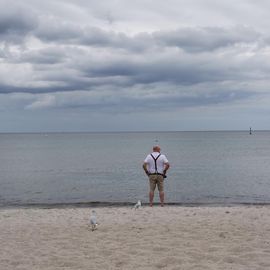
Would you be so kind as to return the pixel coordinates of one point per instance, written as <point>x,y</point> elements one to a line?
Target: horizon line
<point>131,131</point>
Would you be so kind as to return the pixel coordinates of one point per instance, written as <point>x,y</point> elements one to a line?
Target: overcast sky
<point>120,65</point>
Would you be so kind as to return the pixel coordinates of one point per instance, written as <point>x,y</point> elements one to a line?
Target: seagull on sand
<point>93,220</point>
<point>138,205</point>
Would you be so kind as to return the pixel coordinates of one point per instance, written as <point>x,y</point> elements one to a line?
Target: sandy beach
<point>172,237</point>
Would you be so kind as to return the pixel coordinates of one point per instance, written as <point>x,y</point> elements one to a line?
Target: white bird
<point>138,205</point>
<point>93,220</point>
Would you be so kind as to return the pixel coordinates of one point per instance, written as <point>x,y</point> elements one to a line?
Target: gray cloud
<point>208,38</point>
<point>16,22</point>
<point>190,39</point>
<point>49,56</point>
<point>136,99</point>
<point>83,55</point>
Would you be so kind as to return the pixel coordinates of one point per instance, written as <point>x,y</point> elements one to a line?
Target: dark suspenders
<point>155,159</point>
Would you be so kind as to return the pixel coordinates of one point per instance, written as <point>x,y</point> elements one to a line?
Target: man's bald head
<point>156,148</point>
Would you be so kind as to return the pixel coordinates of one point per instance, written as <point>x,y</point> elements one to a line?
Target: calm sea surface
<point>206,167</point>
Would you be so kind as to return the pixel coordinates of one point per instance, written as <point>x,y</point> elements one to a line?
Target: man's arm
<point>145,168</point>
<point>166,167</point>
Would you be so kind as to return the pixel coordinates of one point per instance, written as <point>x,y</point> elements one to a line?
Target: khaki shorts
<point>156,180</point>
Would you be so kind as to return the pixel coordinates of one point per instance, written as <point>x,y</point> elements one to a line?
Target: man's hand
<point>164,174</point>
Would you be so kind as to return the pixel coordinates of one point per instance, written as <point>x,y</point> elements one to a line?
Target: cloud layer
<point>120,57</point>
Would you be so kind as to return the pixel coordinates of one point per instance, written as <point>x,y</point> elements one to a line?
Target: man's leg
<point>152,182</point>
<point>151,198</point>
<point>161,189</point>
<point>161,196</point>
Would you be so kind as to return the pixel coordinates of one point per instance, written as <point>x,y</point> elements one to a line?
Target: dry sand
<point>173,237</point>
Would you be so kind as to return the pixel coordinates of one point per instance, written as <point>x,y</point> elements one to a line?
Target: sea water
<point>206,167</point>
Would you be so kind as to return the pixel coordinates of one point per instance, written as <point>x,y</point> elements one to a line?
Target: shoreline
<point>100,204</point>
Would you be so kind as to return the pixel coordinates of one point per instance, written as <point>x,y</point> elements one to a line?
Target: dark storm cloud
<point>178,69</point>
<point>16,22</point>
<point>62,33</point>
<point>57,86</point>
<point>56,31</point>
<point>206,38</point>
<point>190,39</point>
<point>49,56</point>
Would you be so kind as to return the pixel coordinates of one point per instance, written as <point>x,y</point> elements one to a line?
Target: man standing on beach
<point>155,166</point>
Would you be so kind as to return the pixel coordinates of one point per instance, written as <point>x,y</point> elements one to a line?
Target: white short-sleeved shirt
<point>160,162</point>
